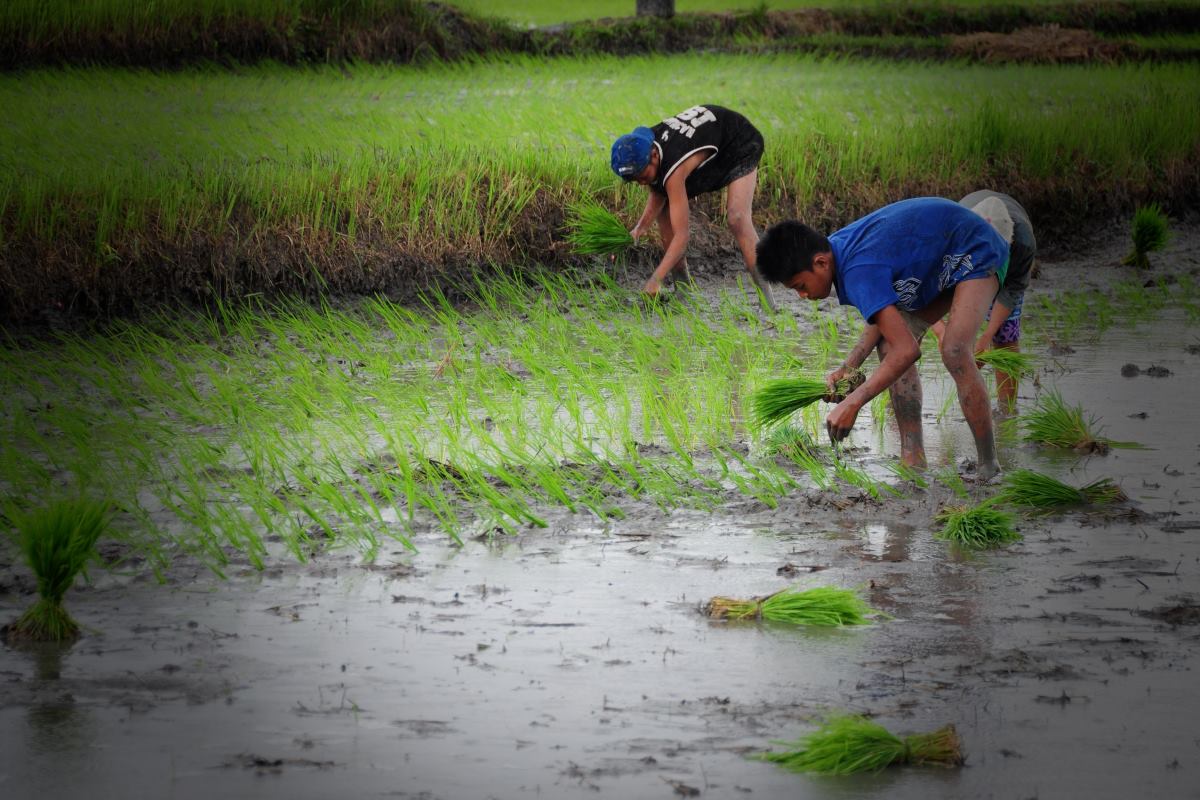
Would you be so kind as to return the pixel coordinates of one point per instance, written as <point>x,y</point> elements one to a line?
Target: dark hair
<point>787,249</point>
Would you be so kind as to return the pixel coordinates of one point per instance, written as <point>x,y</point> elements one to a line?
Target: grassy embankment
<point>119,187</point>
<point>125,32</point>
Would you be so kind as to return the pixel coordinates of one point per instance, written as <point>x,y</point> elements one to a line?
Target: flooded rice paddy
<point>573,661</point>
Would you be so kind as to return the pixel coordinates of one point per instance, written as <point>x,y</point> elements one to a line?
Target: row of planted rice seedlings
<point>317,424</point>
<point>1090,312</point>
<point>380,150</point>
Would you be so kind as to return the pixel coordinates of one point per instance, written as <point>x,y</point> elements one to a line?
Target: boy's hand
<point>841,420</point>
<point>832,378</point>
<point>652,287</point>
<point>983,345</point>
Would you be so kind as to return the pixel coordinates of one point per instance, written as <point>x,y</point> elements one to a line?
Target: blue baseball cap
<point>631,152</point>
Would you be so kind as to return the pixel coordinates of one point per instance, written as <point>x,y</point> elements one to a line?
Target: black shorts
<point>731,163</point>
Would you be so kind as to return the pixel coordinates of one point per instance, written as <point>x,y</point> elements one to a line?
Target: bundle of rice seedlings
<point>782,397</point>
<point>849,743</point>
<point>57,542</point>
<point>594,230</point>
<point>981,526</point>
<point>827,606</point>
<point>1013,363</point>
<point>1024,487</point>
<point>1149,234</point>
<point>1055,423</point>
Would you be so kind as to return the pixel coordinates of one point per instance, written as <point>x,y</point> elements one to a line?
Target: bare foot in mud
<point>987,475</point>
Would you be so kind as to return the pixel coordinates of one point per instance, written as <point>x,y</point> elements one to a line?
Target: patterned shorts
<point>1010,331</point>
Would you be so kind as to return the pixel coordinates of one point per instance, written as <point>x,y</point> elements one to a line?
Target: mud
<point>575,661</point>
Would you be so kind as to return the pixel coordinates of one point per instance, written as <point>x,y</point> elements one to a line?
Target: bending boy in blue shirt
<point>904,267</point>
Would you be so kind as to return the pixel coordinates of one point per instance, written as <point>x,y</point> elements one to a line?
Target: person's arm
<point>999,314</point>
<point>901,352</point>
<point>677,207</point>
<point>654,204</point>
<point>857,355</point>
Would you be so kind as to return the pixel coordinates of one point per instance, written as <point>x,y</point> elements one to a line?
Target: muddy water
<point>573,662</point>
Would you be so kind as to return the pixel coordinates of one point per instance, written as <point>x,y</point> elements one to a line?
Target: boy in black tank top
<point>702,149</point>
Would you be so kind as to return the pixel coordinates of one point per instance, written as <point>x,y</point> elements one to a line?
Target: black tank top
<point>708,129</point>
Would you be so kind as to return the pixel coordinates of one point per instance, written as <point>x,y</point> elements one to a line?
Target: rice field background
<point>404,491</point>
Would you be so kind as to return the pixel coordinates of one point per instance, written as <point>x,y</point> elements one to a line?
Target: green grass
<point>548,12</point>
<point>56,541</point>
<point>846,744</point>
<point>372,165</point>
<point>825,606</point>
<point>977,527</point>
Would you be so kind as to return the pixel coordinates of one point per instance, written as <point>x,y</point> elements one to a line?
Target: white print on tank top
<point>686,122</point>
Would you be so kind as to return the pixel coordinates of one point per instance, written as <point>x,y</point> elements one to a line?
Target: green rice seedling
<point>1054,423</point>
<point>1149,233</point>
<point>780,398</point>
<point>848,743</point>
<point>1024,487</point>
<point>950,478</point>
<point>787,440</point>
<point>825,606</point>
<point>57,542</point>
<point>858,477</point>
<point>1013,363</point>
<point>981,526</point>
<point>594,230</point>
<point>909,473</point>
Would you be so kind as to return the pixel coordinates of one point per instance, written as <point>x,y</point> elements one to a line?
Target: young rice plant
<point>978,527</point>
<point>825,606</point>
<point>57,542</point>
<point>1054,423</point>
<point>1013,363</point>
<point>594,230</point>
<point>780,398</point>
<point>1149,234</point>
<point>1024,487</point>
<point>845,744</point>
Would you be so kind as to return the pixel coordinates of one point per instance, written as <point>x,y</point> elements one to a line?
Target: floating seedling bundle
<point>594,230</point>
<point>827,606</point>
<point>981,526</point>
<point>1024,487</point>
<point>780,398</point>
<point>845,744</point>
<point>57,542</point>
<point>1055,423</point>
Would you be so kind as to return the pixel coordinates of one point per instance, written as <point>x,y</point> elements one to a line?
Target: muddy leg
<point>1006,386</point>
<point>971,301</point>
<point>906,397</point>
<point>739,200</point>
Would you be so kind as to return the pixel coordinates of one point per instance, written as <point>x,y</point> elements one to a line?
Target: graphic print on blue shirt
<point>905,254</point>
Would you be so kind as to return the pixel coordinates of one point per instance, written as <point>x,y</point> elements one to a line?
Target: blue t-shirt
<point>905,254</point>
